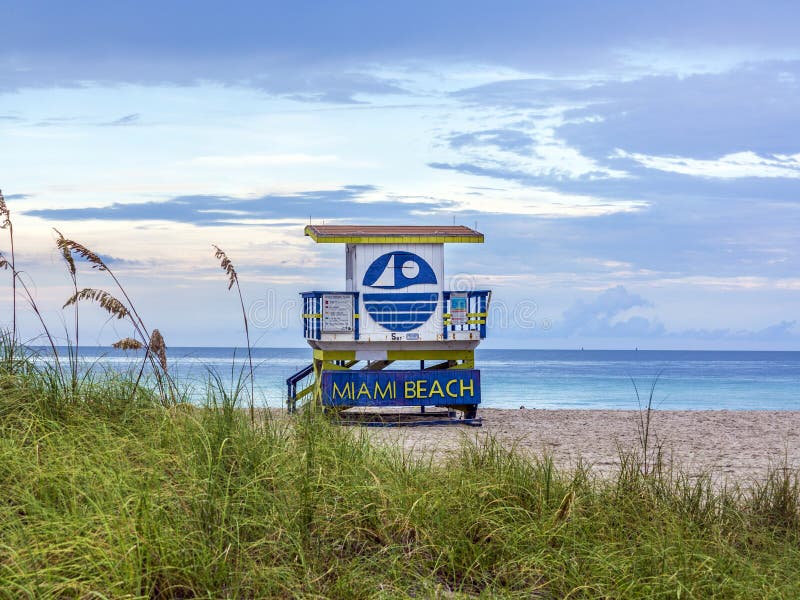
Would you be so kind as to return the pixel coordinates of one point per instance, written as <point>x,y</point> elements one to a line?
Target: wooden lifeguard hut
<point>394,312</point>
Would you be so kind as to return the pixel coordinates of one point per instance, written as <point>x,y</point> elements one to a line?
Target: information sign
<point>337,313</point>
<point>458,309</point>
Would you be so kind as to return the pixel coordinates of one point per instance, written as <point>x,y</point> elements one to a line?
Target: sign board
<point>458,308</point>
<point>337,313</point>
<point>400,287</point>
<point>401,388</point>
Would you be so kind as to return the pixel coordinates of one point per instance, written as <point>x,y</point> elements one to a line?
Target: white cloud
<point>452,193</point>
<point>545,203</point>
<point>547,155</point>
<point>670,59</point>
<point>729,166</point>
<point>265,160</point>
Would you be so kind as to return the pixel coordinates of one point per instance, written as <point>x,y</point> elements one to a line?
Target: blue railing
<point>462,311</point>
<point>313,309</point>
<point>465,311</point>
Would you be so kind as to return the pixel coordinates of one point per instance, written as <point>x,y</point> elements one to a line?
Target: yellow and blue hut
<point>394,337</point>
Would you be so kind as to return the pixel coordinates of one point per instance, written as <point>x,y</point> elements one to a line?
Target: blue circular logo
<point>399,311</point>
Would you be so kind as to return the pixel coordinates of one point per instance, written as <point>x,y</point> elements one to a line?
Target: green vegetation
<point>109,493</point>
<point>111,487</point>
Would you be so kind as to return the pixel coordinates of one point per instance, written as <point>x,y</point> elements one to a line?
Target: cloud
<point>683,179</point>
<point>331,52</point>
<point>529,93</point>
<point>131,119</point>
<point>730,166</point>
<point>333,88</point>
<point>58,121</point>
<point>300,82</point>
<point>602,317</point>
<point>782,331</point>
<point>529,150</point>
<point>605,317</point>
<point>115,260</point>
<point>545,176</point>
<point>256,160</point>
<point>529,201</point>
<point>752,108</point>
<point>644,137</point>
<point>519,32</point>
<point>682,242</point>
<point>652,139</point>
<point>346,202</point>
<point>510,140</point>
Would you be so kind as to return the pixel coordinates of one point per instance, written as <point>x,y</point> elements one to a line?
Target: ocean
<point>552,379</point>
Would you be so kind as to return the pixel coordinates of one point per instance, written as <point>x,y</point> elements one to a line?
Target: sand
<point>726,444</point>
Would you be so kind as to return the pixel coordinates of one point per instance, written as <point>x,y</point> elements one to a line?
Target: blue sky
<point>635,168</point>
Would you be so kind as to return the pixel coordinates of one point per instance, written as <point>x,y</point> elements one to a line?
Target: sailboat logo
<point>399,311</point>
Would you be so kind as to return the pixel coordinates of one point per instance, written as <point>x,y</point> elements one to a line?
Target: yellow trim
<point>448,316</point>
<point>329,366</point>
<point>467,322</point>
<point>356,316</point>
<point>334,354</point>
<point>467,364</point>
<point>429,354</point>
<point>305,392</point>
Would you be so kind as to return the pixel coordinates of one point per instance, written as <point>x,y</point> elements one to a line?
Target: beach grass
<point>112,487</point>
<point>109,492</point>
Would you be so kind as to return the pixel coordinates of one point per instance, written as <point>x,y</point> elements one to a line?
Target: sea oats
<point>233,279</point>
<point>65,252</point>
<point>159,348</point>
<point>226,265</point>
<point>82,251</point>
<point>5,214</point>
<point>128,344</point>
<point>113,306</point>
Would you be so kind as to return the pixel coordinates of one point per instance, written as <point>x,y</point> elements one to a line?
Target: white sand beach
<point>728,444</point>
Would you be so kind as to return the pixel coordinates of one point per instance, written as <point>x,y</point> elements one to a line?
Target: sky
<point>635,167</point>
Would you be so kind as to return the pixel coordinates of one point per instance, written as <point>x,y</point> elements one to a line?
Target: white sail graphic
<point>387,277</point>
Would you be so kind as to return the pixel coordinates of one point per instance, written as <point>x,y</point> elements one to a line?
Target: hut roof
<point>392,234</point>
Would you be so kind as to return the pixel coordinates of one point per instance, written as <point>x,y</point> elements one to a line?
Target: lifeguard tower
<point>394,309</point>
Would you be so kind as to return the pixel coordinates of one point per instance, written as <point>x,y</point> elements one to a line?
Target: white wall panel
<point>410,302</point>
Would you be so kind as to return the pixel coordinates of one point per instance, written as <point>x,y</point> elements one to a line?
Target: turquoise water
<point>693,380</point>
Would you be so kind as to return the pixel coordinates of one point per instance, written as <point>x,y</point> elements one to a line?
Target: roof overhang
<point>393,234</point>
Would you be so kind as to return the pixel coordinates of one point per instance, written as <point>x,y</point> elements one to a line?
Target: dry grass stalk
<point>128,344</point>
<point>565,508</point>
<point>5,214</point>
<point>73,274</point>
<point>113,306</point>
<point>5,223</point>
<point>72,246</point>
<point>227,266</point>
<point>233,279</point>
<point>65,252</point>
<point>159,348</point>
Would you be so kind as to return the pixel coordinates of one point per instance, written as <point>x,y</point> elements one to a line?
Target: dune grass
<point>114,495</point>
<point>111,487</point>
